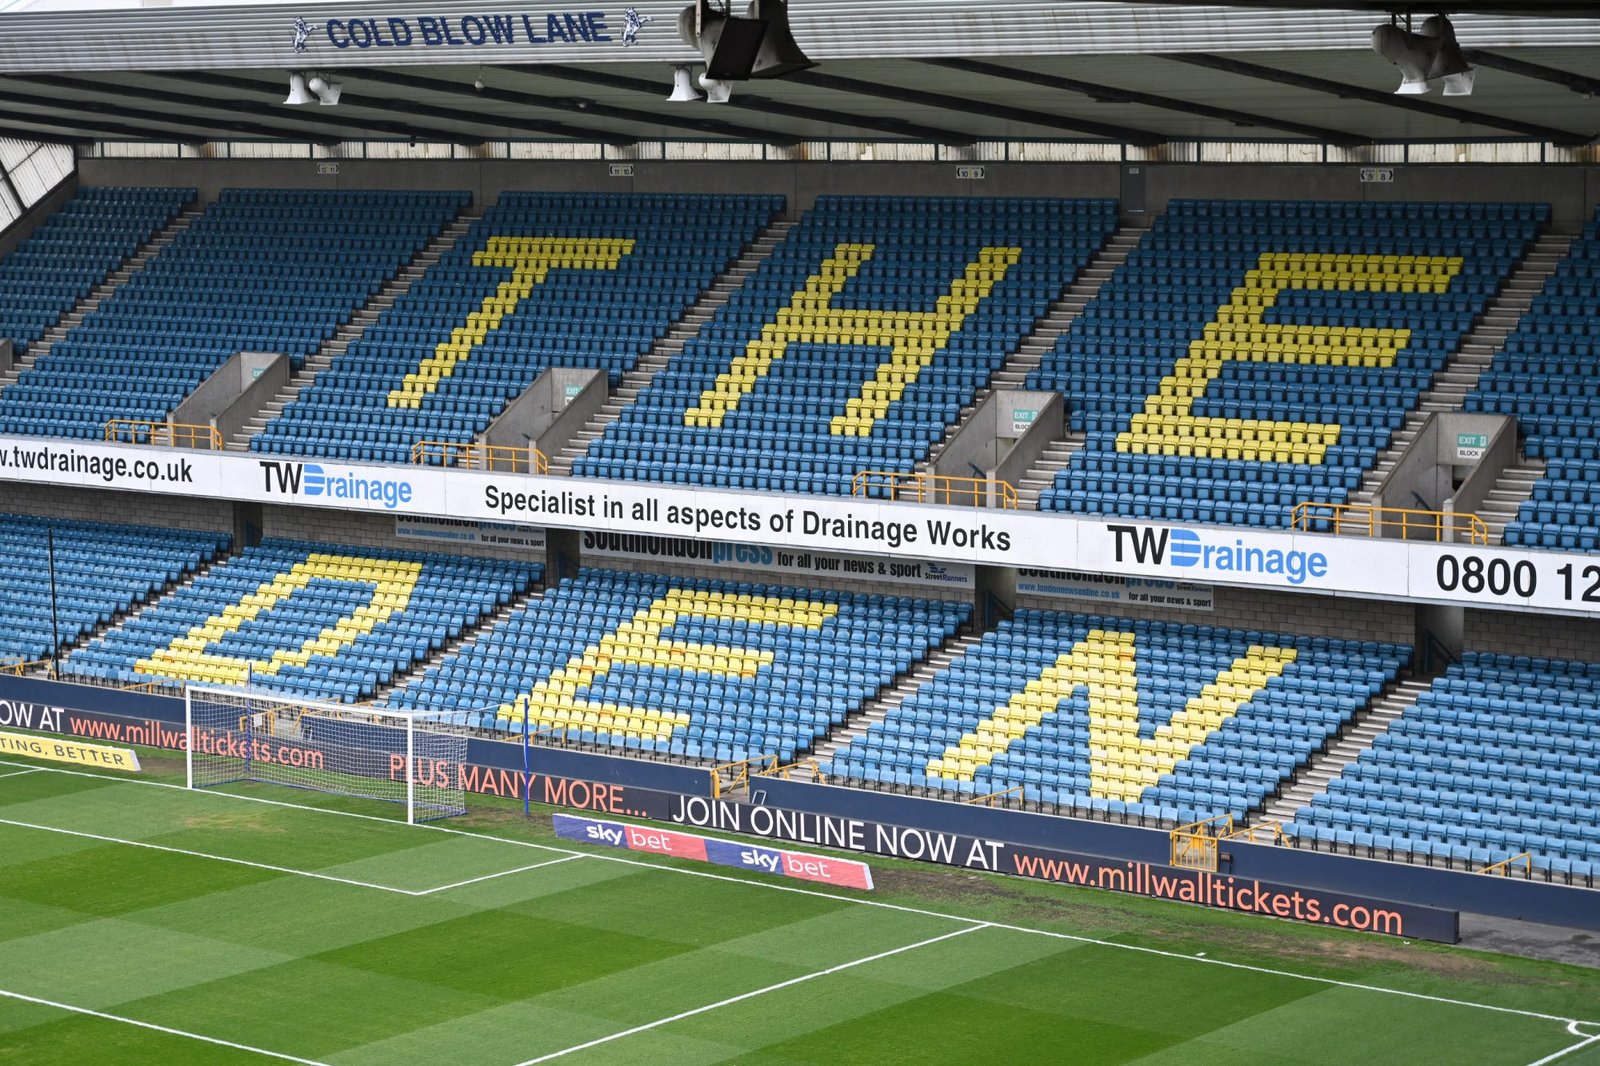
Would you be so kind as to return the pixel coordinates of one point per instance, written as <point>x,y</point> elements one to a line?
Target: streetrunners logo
<point>314,480</point>
<point>1187,549</point>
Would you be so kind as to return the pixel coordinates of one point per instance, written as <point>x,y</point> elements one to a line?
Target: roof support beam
<point>988,111</point>
<point>1578,83</point>
<point>766,105</point>
<point>1373,96</point>
<point>1109,94</point>
<point>704,124</point>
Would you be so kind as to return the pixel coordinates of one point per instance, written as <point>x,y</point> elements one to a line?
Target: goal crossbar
<point>372,752</point>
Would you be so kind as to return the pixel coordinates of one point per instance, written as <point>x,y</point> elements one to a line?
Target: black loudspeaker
<point>758,44</point>
<point>737,48</point>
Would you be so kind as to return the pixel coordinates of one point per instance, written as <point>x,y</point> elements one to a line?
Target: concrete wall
<point>1285,612</point>
<point>723,573</point>
<point>23,228</point>
<point>1531,634</point>
<point>171,512</point>
<point>1572,190</point>
<point>372,531</point>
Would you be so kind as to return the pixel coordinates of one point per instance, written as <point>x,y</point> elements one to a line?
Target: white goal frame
<point>238,734</point>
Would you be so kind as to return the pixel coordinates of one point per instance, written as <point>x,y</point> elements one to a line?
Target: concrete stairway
<point>1460,374</point>
<point>102,292</point>
<point>1042,474</point>
<point>685,329</point>
<point>1514,485</point>
<point>469,637</point>
<point>1057,319</point>
<point>1354,739</point>
<point>352,330</point>
<point>877,709</point>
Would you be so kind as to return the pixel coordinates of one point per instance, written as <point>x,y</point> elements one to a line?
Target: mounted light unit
<point>1428,57</point>
<point>683,90</point>
<point>297,91</point>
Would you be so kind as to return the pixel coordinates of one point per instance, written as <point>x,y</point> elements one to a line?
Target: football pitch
<point>143,923</point>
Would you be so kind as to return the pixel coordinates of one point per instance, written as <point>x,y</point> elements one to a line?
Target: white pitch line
<point>858,901</point>
<point>207,855</point>
<point>158,1028</point>
<point>1564,1052</point>
<point>502,873</point>
<point>19,773</point>
<point>659,1022</point>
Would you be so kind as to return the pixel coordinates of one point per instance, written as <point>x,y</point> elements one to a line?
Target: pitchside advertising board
<point>812,830</point>
<point>1468,575</point>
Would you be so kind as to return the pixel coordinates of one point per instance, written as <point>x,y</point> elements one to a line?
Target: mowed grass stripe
<point>62,1035</point>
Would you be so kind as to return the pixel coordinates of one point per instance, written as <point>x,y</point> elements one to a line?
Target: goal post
<point>372,752</point>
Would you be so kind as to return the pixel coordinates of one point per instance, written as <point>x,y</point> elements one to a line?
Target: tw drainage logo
<point>311,479</point>
<point>1187,549</point>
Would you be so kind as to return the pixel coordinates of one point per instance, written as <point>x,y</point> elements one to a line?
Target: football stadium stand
<point>855,345</point>
<point>1548,376</point>
<point>99,570</point>
<point>542,280</point>
<point>1500,757</point>
<point>1251,355</point>
<point>1163,720</point>
<point>313,620</point>
<point>260,270</point>
<point>63,260</point>
<point>694,668</point>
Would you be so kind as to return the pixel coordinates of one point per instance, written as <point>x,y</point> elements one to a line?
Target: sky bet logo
<point>1188,549</point>
<point>605,834</point>
<point>310,479</point>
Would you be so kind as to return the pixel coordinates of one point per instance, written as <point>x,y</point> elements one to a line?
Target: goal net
<point>397,756</point>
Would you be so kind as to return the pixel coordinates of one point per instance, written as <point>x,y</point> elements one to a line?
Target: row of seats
<point>62,261</point>
<point>1297,346</point>
<point>882,314</point>
<point>692,668</point>
<point>540,281</point>
<point>60,577</point>
<point>314,620</point>
<point>1499,757</point>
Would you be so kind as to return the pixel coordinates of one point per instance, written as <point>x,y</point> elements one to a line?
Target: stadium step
<point>352,330</point>
<point>383,692</point>
<point>101,292</point>
<point>889,699</point>
<point>1048,328</point>
<point>1459,376</point>
<point>1042,474</point>
<point>1356,737</point>
<point>1515,484</point>
<point>722,288</point>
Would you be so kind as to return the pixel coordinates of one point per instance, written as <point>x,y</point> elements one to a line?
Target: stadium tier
<point>855,345</point>
<point>1251,355</point>
<point>1155,719</point>
<point>694,668</point>
<point>260,270</point>
<point>1547,375</point>
<point>543,280</point>
<point>98,570</point>
<point>73,251</point>
<point>318,621</point>
<point>1501,756</point>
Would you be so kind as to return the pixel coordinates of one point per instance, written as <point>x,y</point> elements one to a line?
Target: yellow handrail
<point>742,769</point>
<point>790,768</point>
<point>936,488</point>
<point>17,667</point>
<point>1503,867</point>
<point>989,800</point>
<point>166,434</point>
<point>471,455</point>
<point>1361,519</point>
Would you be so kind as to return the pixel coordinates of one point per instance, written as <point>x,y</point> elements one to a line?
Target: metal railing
<point>993,798</point>
<point>1355,519</point>
<point>1195,846</point>
<point>470,455</point>
<point>19,667</point>
<point>163,434</point>
<point>1503,868</point>
<point>738,774</point>
<point>935,488</point>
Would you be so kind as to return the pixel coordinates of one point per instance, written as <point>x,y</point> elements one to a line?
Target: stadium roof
<point>945,71</point>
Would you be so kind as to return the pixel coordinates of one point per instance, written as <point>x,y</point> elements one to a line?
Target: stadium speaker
<point>297,91</point>
<point>1426,57</point>
<point>717,92</point>
<point>757,44</point>
<point>683,90</point>
<point>326,90</point>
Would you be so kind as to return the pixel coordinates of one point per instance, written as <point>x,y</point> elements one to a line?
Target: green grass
<point>218,929</point>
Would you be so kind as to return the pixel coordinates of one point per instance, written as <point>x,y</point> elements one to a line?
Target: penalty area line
<point>502,873</point>
<point>71,1009</point>
<point>791,982</point>
<point>19,773</point>
<point>1568,1050</point>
